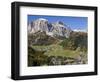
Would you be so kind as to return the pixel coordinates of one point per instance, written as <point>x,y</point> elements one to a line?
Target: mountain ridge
<point>52,29</point>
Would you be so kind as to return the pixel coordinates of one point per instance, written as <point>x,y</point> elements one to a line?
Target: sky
<point>75,23</point>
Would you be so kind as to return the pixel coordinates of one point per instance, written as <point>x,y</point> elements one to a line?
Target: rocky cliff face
<point>53,29</point>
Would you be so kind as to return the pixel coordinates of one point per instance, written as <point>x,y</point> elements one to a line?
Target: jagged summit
<point>53,29</point>
<point>60,22</point>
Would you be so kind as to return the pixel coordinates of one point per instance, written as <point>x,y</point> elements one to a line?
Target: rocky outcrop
<point>41,38</point>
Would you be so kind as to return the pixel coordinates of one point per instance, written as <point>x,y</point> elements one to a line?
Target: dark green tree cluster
<point>36,58</point>
<point>76,40</point>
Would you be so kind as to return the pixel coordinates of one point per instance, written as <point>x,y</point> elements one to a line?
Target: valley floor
<point>59,56</point>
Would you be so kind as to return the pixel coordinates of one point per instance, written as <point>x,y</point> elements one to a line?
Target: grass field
<point>50,54</point>
<point>57,50</point>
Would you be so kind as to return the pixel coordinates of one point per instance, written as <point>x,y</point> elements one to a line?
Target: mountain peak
<point>51,29</point>
<point>42,19</point>
<point>60,22</point>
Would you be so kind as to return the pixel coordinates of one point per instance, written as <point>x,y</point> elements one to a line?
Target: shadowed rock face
<point>52,29</point>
